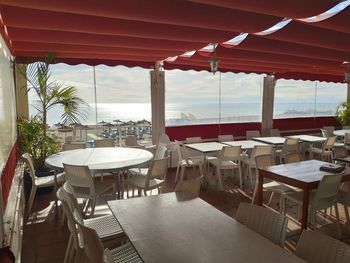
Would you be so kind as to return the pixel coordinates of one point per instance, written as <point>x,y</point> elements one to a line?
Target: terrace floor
<point>45,238</point>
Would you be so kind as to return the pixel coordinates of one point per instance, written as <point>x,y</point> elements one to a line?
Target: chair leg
<point>338,220</point>
<point>254,192</point>
<point>182,172</point>
<point>93,204</point>
<point>218,174</point>
<point>31,199</point>
<point>177,172</point>
<point>346,214</point>
<point>240,176</point>
<point>270,199</point>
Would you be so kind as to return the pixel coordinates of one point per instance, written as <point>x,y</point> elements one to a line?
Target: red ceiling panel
<point>140,32</point>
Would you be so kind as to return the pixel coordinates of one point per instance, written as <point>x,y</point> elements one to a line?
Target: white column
<point>21,92</point>
<point>158,102</point>
<point>347,80</point>
<point>267,104</point>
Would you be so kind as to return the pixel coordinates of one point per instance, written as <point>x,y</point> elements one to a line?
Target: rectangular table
<point>175,227</point>
<point>245,144</point>
<point>275,141</point>
<point>308,138</point>
<point>206,147</point>
<point>305,175</point>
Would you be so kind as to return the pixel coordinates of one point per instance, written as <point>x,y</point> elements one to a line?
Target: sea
<point>186,114</point>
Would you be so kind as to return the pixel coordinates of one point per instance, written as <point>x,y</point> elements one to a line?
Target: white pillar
<point>347,80</point>
<point>267,104</point>
<point>21,92</point>
<point>158,102</point>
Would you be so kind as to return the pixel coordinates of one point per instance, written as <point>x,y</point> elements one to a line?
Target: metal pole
<point>95,100</point>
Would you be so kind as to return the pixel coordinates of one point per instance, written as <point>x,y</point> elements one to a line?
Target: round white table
<point>99,160</point>
<point>341,133</point>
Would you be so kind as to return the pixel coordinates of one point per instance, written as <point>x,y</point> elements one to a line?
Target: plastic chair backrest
<point>160,152</point>
<point>261,150</point>
<point>315,247</point>
<point>190,186</point>
<point>251,134</point>
<point>325,133</point>
<point>131,140</point>
<point>61,196</point>
<point>93,248</point>
<point>107,142</point>
<point>29,163</point>
<point>275,132</point>
<point>292,158</point>
<point>71,198</point>
<point>80,176</point>
<point>329,143</point>
<point>158,169</point>
<point>181,151</point>
<point>230,153</point>
<point>264,160</point>
<point>73,146</point>
<point>347,138</point>
<point>340,152</point>
<point>330,130</point>
<point>327,191</point>
<point>164,139</point>
<point>290,145</point>
<point>193,140</point>
<point>264,221</point>
<point>225,138</point>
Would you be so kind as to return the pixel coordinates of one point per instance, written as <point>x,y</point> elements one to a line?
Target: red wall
<point>211,131</point>
<point>9,172</point>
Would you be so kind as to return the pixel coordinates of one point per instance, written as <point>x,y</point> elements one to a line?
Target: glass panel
<point>294,98</point>
<point>191,97</point>
<point>328,97</point>
<point>241,97</point>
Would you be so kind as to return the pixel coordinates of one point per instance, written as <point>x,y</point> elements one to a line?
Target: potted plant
<point>33,136</point>
<point>343,114</point>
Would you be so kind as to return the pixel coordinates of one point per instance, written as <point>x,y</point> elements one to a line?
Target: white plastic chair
<point>131,141</point>
<point>252,134</point>
<point>344,199</point>
<point>325,133</point>
<point>193,140</point>
<point>190,186</point>
<point>92,248</point>
<point>340,152</point>
<point>73,146</point>
<point>263,161</point>
<point>156,176</point>
<point>289,146</point>
<point>315,247</point>
<point>326,152</point>
<point>264,221</point>
<point>80,177</point>
<point>38,182</point>
<point>184,161</point>
<point>225,138</point>
<point>275,133</point>
<point>107,142</point>
<point>250,162</point>
<point>325,196</point>
<point>292,158</point>
<point>230,159</point>
<point>330,130</point>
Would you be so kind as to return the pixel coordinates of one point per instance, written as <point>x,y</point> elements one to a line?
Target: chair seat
<point>223,164</point>
<point>49,180</point>
<point>138,171</point>
<point>100,188</point>
<point>278,187</point>
<point>140,181</point>
<point>319,151</point>
<point>105,226</point>
<point>125,253</point>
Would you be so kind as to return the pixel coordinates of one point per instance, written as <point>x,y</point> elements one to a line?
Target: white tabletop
<point>270,140</point>
<point>341,132</point>
<point>174,227</point>
<point>100,159</point>
<point>206,147</point>
<point>246,144</point>
<point>308,138</point>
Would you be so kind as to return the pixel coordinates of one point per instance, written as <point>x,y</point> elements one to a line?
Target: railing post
<point>267,104</point>
<point>158,102</point>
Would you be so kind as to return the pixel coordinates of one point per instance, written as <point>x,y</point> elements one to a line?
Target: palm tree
<point>51,93</point>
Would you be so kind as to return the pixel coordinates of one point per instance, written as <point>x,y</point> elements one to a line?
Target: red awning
<point>141,32</point>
